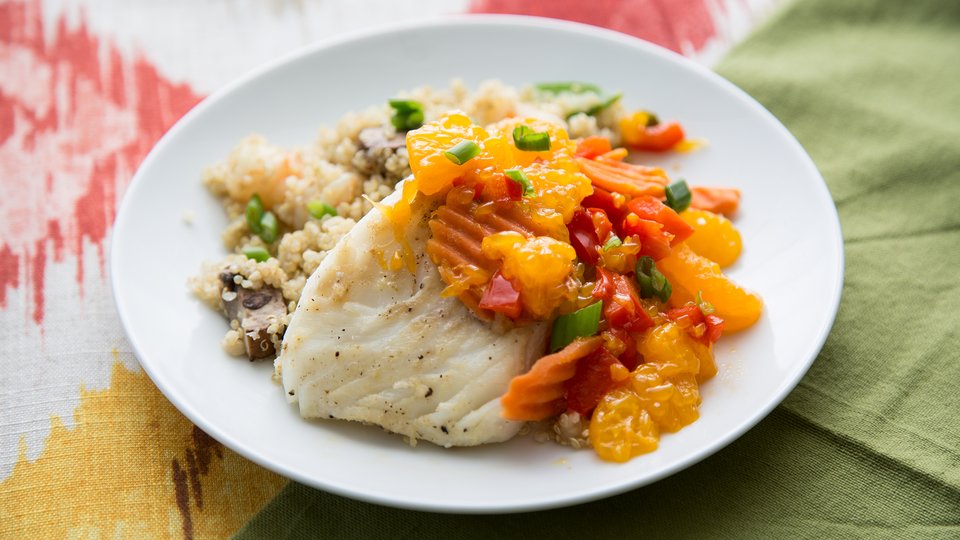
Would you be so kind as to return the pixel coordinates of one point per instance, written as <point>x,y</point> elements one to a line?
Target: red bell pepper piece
<point>590,382</point>
<point>629,355</point>
<point>623,309</point>
<point>502,296</point>
<point>654,241</point>
<point>648,207</point>
<point>601,223</point>
<point>614,207</point>
<point>583,237</point>
<point>714,328</point>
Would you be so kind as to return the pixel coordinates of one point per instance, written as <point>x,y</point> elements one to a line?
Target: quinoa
<point>350,166</point>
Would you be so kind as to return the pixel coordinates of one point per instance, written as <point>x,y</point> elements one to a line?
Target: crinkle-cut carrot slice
<point>624,178</point>
<point>538,393</point>
<point>715,199</point>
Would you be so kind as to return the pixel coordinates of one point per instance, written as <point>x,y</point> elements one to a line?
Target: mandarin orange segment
<point>689,273</point>
<point>715,237</point>
<point>560,155</point>
<point>621,427</point>
<point>675,352</point>
<point>538,264</point>
<point>671,402</point>
<point>426,146</point>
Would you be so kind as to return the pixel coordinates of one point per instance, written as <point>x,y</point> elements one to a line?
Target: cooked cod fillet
<point>383,347</point>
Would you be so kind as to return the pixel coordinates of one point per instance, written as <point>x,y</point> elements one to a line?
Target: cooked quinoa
<point>350,166</point>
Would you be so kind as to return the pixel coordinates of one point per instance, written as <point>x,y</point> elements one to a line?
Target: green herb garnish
<point>652,283</point>
<point>519,177</point>
<point>318,209</point>
<point>584,322</point>
<point>463,152</point>
<point>256,253</point>
<point>407,115</point>
<point>678,195</point>
<point>528,140</point>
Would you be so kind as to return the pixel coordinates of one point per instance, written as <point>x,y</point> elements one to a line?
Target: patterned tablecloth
<point>88,445</point>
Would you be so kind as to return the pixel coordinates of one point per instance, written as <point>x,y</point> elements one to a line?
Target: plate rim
<point>473,20</point>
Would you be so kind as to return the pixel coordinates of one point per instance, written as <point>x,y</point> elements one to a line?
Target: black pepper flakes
<point>444,429</point>
<point>429,392</point>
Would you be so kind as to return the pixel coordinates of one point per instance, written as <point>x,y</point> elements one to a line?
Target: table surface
<point>86,88</point>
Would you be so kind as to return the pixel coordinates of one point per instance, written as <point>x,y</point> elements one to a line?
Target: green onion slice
<point>529,140</point>
<point>607,102</point>
<point>652,283</point>
<point>584,322</point>
<point>678,195</point>
<point>463,152</point>
<point>408,114</point>
<point>256,253</point>
<point>318,209</point>
<point>573,87</point>
<point>705,307</point>
<point>269,228</point>
<point>254,213</point>
<point>517,176</point>
<point>613,242</point>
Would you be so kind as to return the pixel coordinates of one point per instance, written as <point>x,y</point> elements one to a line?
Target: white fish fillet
<point>382,347</point>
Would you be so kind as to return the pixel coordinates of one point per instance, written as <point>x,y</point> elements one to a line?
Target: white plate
<point>793,258</point>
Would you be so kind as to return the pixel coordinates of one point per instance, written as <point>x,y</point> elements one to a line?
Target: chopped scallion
<point>573,87</point>
<point>705,307</point>
<point>599,107</point>
<point>652,283</point>
<point>254,214</point>
<point>269,228</point>
<point>463,152</point>
<point>529,140</point>
<point>678,195</point>
<point>584,322</point>
<point>256,253</point>
<point>318,209</point>
<point>517,176</point>
<point>613,242</point>
<point>408,114</point>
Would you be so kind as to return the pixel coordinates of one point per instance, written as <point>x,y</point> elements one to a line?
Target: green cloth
<point>868,445</point>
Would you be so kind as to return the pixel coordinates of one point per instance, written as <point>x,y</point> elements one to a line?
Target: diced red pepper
<point>648,207</point>
<point>658,138</point>
<point>613,205</point>
<point>502,296</point>
<point>604,287</point>
<point>654,241</point>
<point>593,146</point>
<point>502,189</point>
<point>690,311</point>
<point>601,223</point>
<point>590,382</point>
<point>714,328</point>
<point>623,309</point>
<point>629,355</point>
<point>583,237</point>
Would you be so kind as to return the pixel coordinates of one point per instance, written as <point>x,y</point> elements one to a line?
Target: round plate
<point>793,258</point>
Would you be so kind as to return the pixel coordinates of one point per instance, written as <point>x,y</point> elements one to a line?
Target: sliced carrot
<point>624,178</point>
<point>714,199</point>
<point>617,154</point>
<point>538,393</point>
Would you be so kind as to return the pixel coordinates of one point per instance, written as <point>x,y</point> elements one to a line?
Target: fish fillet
<point>383,347</point>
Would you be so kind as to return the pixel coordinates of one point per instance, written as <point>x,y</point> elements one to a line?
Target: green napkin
<point>869,443</point>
